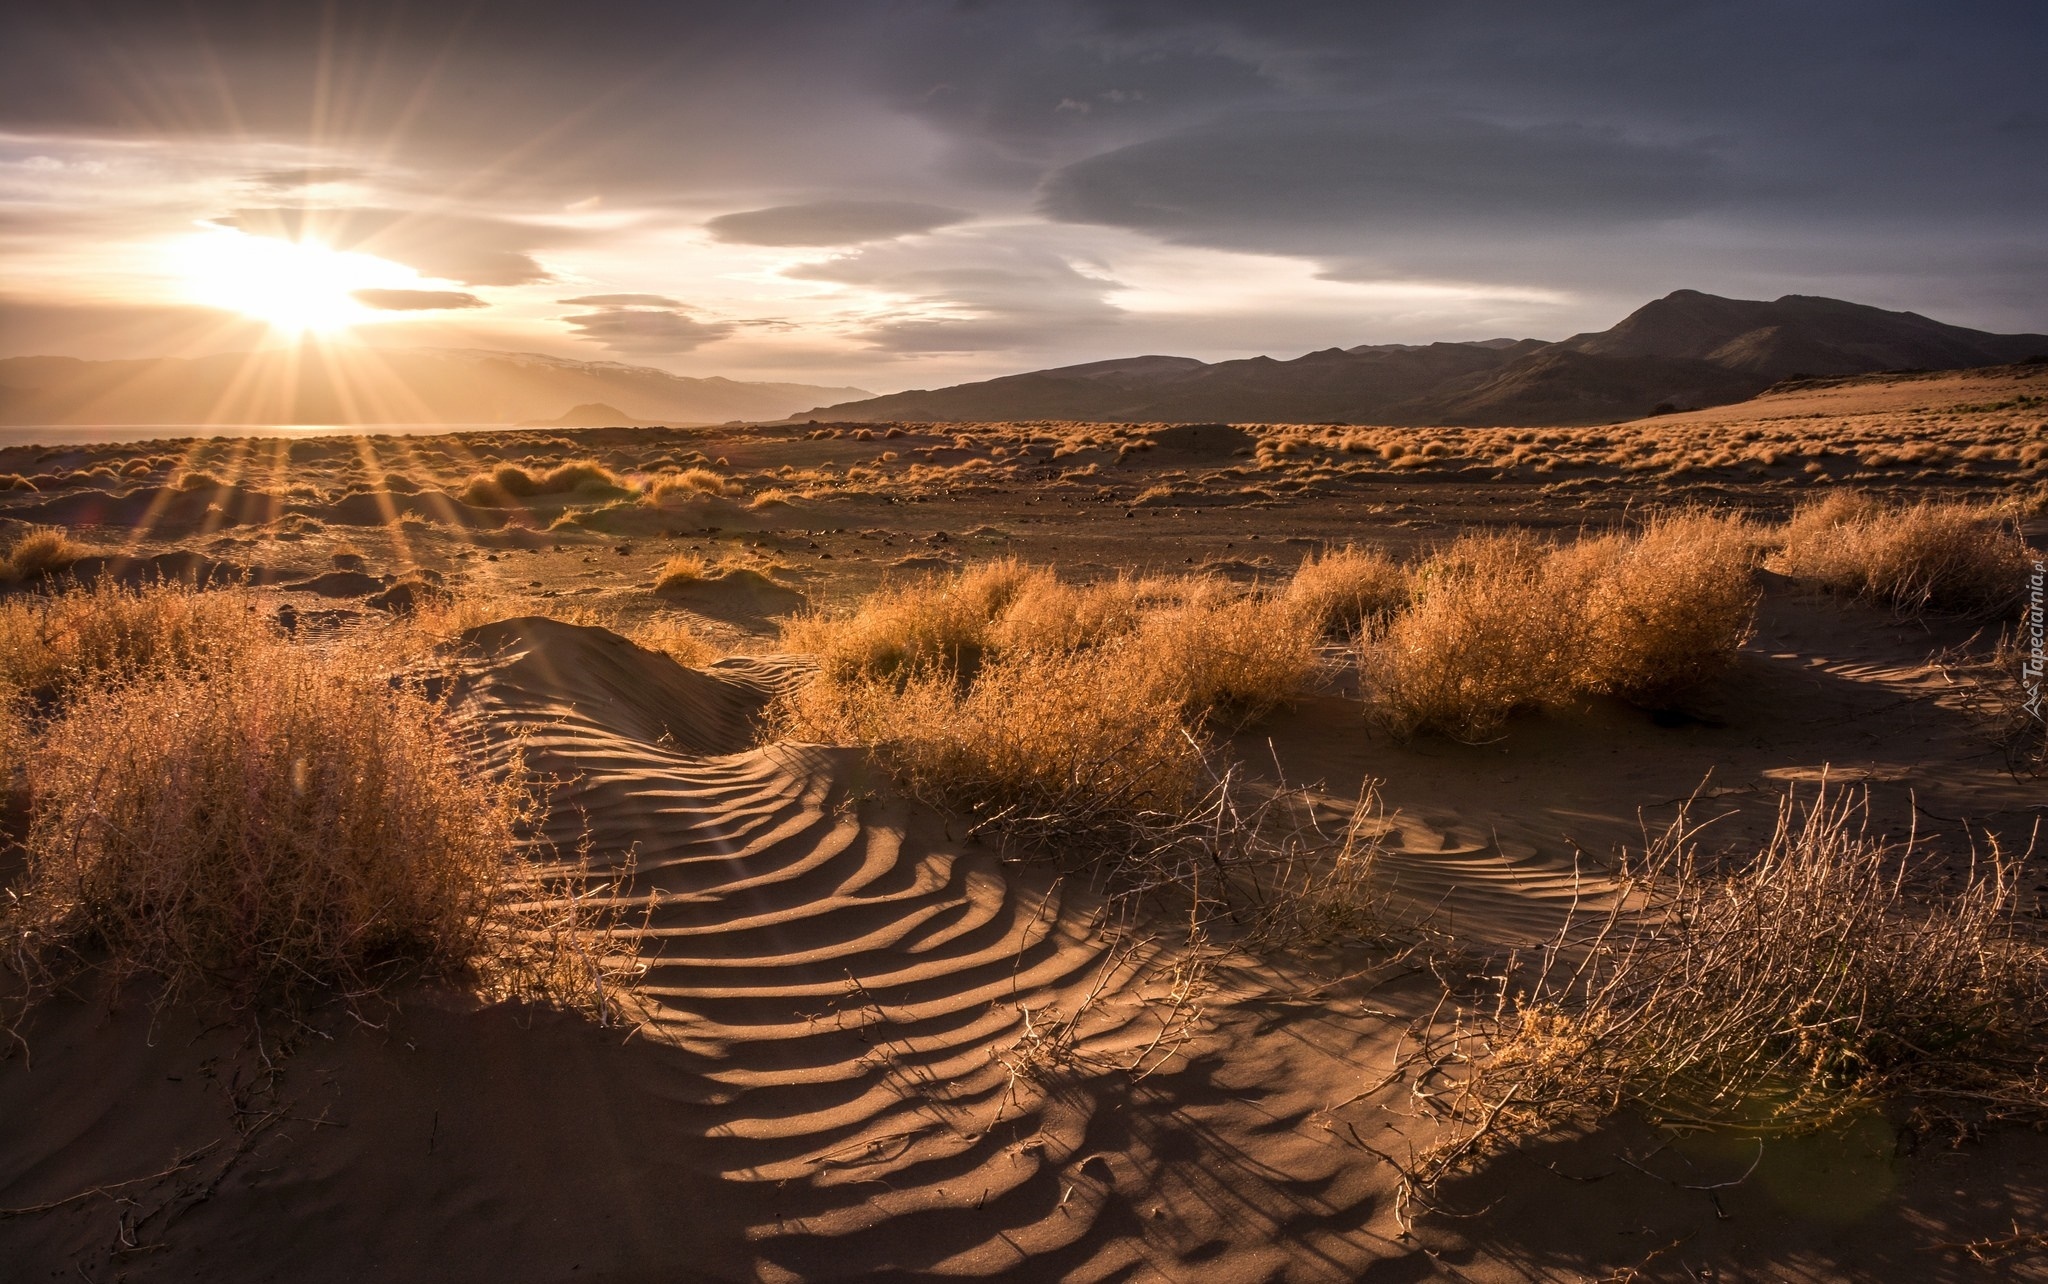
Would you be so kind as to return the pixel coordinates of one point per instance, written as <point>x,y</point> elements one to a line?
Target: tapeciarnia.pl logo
<point>2032,627</point>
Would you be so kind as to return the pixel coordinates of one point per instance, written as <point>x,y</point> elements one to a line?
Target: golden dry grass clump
<point>941,622</point>
<point>57,643</point>
<point>1504,622</point>
<point>40,551</point>
<point>509,483</point>
<point>689,483</point>
<point>1346,589</point>
<point>1211,651</point>
<point>1810,981</point>
<point>1669,608</point>
<point>1492,631</point>
<point>1224,660</point>
<point>683,568</point>
<point>1048,617</point>
<point>676,639</point>
<point>1053,708</point>
<point>1057,747</point>
<point>17,740</point>
<point>1927,556</point>
<point>294,820</point>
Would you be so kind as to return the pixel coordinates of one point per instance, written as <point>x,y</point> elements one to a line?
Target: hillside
<point>1684,350</point>
<point>376,386</point>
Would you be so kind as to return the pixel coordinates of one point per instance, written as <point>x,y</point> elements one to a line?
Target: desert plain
<point>859,932</point>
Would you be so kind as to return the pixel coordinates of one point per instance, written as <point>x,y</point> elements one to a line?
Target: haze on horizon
<point>919,193</point>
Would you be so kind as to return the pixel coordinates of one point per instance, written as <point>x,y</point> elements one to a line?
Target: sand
<point>853,1057</point>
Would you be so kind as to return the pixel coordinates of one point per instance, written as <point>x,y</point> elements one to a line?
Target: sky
<point>910,193</point>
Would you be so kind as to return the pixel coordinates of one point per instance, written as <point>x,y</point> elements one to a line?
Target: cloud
<point>1606,150</point>
<point>832,222</point>
<point>997,289</point>
<point>472,249</point>
<point>1330,181</point>
<point>307,176</point>
<point>645,331</point>
<point>621,301</point>
<point>416,300</point>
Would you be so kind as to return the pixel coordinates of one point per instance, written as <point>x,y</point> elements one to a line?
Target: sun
<point>296,286</point>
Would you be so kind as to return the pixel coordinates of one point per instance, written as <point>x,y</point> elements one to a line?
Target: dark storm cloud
<point>1602,147</point>
<point>416,300</point>
<point>647,332</point>
<point>832,222</point>
<point>1319,181</point>
<point>472,250</point>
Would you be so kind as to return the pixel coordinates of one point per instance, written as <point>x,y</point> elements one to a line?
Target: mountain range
<point>376,386</point>
<point>1683,351</point>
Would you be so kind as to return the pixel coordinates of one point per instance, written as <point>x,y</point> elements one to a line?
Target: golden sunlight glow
<point>296,286</point>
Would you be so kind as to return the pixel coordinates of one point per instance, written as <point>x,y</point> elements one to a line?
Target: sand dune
<point>844,978</point>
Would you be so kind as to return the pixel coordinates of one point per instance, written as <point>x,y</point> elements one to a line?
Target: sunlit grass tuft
<point>40,551</point>
<point>1926,556</point>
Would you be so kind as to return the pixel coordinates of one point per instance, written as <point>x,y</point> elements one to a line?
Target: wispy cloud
<point>417,300</point>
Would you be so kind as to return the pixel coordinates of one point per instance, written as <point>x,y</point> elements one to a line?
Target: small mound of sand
<point>404,597</point>
<point>339,584</point>
<point>178,565</point>
<point>738,596</point>
<point>922,562</point>
<point>594,676</point>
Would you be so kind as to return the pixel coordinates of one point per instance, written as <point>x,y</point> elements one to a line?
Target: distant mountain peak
<point>1688,348</point>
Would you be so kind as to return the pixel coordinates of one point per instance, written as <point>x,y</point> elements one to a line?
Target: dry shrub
<point>17,740</point>
<point>1231,660</point>
<point>1197,646</point>
<point>932,623</point>
<point>1503,622</point>
<point>690,483</point>
<point>577,474</point>
<point>681,569</point>
<point>1048,617</point>
<point>295,820</point>
<point>2007,691</point>
<point>1493,630</point>
<point>1347,589</point>
<point>1077,714</point>
<point>499,489</point>
<point>85,637</point>
<point>1075,747</point>
<point>1817,978</point>
<point>676,639</point>
<point>509,483</point>
<point>1308,890</point>
<point>1937,557</point>
<point>40,551</point>
<point>1669,608</point>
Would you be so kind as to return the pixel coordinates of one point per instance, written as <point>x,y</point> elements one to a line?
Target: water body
<point>98,434</point>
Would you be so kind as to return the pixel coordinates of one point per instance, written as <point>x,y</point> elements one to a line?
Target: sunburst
<point>296,286</point>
